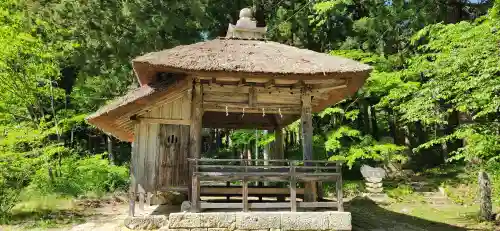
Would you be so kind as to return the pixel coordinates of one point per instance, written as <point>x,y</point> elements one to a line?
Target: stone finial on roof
<point>246,27</point>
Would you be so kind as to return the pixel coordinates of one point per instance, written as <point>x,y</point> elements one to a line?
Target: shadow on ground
<point>368,216</point>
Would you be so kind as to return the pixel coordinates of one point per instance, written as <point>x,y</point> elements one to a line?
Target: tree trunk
<point>365,117</point>
<point>374,125</point>
<point>486,208</point>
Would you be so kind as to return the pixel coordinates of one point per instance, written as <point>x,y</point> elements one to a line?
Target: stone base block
<point>148,222</point>
<point>260,221</point>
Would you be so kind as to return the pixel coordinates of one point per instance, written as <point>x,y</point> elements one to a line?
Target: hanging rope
<point>263,112</point>
<point>227,113</point>
<point>279,110</point>
<point>243,113</point>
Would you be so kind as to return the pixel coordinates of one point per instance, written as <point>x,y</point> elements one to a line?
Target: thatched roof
<point>134,100</point>
<point>246,57</point>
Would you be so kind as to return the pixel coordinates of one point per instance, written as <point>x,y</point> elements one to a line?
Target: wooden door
<point>173,153</point>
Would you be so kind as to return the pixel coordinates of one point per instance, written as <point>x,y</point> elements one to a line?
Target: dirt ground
<point>366,216</point>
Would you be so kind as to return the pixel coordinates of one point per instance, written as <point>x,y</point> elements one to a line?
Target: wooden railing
<point>244,170</point>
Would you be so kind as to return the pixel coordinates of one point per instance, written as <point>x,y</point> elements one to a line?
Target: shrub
<point>400,192</point>
<point>79,176</point>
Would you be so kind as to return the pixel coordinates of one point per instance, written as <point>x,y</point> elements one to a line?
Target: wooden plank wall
<point>173,169</point>
<point>147,149</point>
<point>178,108</point>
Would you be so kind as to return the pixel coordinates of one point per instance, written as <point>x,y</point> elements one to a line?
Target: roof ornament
<point>246,27</point>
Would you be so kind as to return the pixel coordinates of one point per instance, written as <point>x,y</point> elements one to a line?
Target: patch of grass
<point>46,212</point>
<point>415,215</point>
<point>400,193</point>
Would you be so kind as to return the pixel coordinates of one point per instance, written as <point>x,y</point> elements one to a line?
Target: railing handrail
<point>262,160</point>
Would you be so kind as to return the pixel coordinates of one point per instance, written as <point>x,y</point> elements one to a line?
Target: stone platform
<point>241,221</point>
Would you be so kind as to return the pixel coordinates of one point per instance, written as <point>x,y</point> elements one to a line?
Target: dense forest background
<point>432,100</point>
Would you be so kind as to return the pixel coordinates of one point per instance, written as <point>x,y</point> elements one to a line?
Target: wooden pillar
<point>245,195</point>
<point>307,138</point>
<point>195,140</point>
<point>133,181</point>
<point>340,194</point>
<point>278,144</point>
<point>196,120</point>
<point>132,194</point>
<point>293,190</point>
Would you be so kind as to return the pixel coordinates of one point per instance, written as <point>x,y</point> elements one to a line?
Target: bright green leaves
<point>350,145</point>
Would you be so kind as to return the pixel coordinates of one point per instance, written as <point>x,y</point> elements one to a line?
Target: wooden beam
<point>269,84</point>
<point>164,121</point>
<point>328,87</point>
<point>252,97</point>
<point>298,85</point>
<point>207,190</point>
<point>258,107</point>
<point>267,205</point>
<point>241,83</point>
<point>260,87</point>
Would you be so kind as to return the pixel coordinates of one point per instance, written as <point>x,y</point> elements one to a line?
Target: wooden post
<point>245,195</point>
<point>293,189</point>
<point>340,194</point>
<point>195,187</point>
<point>306,124</point>
<point>148,198</point>
<point>486,208</point>
<point>307,136</point>
<point>133,183</point>
<point>195,195</point>
<point>245,190</point>
<point>196,120</point>
<point>195,140</point>
<point>278,144</point>
<point>141,197</point>
<point>132,195</point>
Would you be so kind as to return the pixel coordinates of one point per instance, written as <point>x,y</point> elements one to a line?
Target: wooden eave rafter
<point>236,95</point>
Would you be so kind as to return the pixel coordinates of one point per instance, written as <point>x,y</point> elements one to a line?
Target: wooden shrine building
<point>240,81</point>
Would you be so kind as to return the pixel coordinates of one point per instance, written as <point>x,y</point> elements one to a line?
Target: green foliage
<point>351,145</point>
<point>401,192</point>
<point>78,176</point>
<point>352,188</point>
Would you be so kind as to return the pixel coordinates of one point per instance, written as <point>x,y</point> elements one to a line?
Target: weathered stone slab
<point>305,221</point>
<point>218,229</point>
<point>371,172</point>
<point>184,220</point>
<point>255,221</point>
<point>199,229</point>
<point>146,222</point>
<point>374,190</point>
<point>339,221</point>
<point>217,220</point>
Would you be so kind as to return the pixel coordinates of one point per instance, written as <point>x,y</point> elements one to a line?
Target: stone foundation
<point>259,221</point>
<point>147,222</point>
